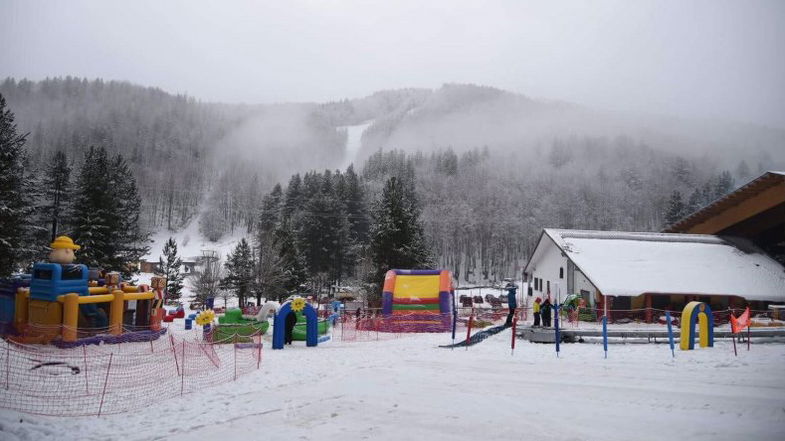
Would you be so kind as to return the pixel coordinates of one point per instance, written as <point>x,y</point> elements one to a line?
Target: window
<point>72,272</point>
<point>561,272</point>
<point>548,284</point>
<point>42,274</point>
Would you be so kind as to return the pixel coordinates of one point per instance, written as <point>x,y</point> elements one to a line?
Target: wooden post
<point>469,330</point>
<point>182,377</point>
<point>259,355</point>
<point>7,365</point>
<point>86,383</point>
<point>174,352</point>
<point>106,380</point>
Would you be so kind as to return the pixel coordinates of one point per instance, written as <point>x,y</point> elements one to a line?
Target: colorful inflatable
<point>417,301</point>
<point>701,313</point>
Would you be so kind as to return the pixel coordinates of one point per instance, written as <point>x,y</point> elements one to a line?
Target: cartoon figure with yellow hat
<point>63,250</point>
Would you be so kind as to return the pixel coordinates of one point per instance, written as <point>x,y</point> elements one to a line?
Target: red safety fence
<point>107,379</point>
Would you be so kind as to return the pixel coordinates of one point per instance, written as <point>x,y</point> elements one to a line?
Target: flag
<point>741,323</point>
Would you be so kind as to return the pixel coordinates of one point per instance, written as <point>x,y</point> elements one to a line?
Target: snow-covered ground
<point>410,389</point>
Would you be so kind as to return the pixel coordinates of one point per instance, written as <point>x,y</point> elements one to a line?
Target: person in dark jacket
<point>545,310</point>
<point>291,319</point>
<point>512,303</point>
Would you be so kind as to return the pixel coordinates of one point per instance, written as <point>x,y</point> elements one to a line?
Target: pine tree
<point>93,217</point>
<point>14,208</point>
<point>694,203</point>
<point>107,210</point>
<point>131,241</point>
<point>396,237</point>
<point>675,208</point>
<point>354,199</point>
<point>723,185</point>
<point>169,265</point>
<point>239,271</point>
<point>57,183</point>
<point>290,262</point>
<point>292,200</point>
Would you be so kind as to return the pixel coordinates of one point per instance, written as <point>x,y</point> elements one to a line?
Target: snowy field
<point>409,389</point>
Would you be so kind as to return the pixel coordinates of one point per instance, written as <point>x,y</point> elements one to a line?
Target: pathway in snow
<point>410,389</point>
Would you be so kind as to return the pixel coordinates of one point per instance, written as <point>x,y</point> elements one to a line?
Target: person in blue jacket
<point>512,303</point>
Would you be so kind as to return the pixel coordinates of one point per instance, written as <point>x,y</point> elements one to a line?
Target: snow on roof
<point>630,264</point>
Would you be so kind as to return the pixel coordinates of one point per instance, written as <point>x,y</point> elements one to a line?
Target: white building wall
<point>546,267</point>
<point>582,283</point>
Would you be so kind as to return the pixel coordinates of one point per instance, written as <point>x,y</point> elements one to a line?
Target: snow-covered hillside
<point>190,242</point>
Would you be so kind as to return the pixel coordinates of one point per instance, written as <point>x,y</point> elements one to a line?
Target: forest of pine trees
<point>96,149</point>
<point>100,209</point>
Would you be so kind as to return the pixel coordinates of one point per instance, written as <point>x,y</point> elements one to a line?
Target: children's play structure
<point>696,313</point>
<point>417,301</point>
<point>232,326</point>
<point>308,327</point>
<point>61,307</point>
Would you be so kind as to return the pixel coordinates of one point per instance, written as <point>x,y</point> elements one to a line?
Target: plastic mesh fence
<point>107,379</point>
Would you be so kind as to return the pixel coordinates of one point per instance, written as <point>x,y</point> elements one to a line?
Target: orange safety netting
<point>106,379</point>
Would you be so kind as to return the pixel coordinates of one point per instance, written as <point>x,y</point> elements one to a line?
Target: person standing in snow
<point>536,311</point>
<point>291,320</point>
<point>546,313</point>
<point>512,303</point>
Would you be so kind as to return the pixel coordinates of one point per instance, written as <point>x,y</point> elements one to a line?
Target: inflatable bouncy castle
<point>417,301</point>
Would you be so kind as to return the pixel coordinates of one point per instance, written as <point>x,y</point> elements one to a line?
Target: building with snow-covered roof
<point>755,211</point>
<point>653,270</point>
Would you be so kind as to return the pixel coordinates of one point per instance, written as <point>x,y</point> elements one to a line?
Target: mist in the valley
<point>507,116</point>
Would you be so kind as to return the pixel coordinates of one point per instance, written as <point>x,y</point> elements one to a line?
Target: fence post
<point>174,353</point>
<point>182,377</point>
<point>86,383</point>
<point>106,381</point>
<point>7,365</point>
<point>469,329</point>
<point>259,355</point>
<point>670,332</point>
<point>234,345</point>
<point>512,344</point>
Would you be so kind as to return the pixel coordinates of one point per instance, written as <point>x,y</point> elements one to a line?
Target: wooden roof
<point>754,187</point>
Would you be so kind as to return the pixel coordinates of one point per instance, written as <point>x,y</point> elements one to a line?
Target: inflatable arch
<point>279,325</point>
<point>701,313</point>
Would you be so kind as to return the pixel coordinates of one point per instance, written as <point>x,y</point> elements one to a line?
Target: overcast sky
<point>713,59</point>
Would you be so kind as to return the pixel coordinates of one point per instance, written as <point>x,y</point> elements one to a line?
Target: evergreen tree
<point>290,263</point>
<point>169,265</point>
<point>293,199</point>
<point>57,182</point>
<point>354,199</point>
<point>239,271</point>
<point>107,209</point>
<point>723,185</point>
<point>675,208</point>
<point>93,217</point>
<point>132,242</point>
<point>14,208</point>
<point>396,236</point>
<point>694,203</point>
